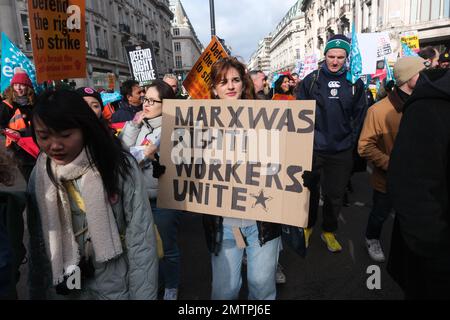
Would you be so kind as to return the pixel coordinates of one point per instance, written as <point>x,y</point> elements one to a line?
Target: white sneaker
<point>171,294</point>
<point>374,249</point>
<point>279,275</point>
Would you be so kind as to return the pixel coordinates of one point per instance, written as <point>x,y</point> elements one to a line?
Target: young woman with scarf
<point>91,228</point>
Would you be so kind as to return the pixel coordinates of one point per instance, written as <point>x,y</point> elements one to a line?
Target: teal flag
<point>13,57</point>
<point>355,59</point>
<point>389,73</point>
<point>407,52</point>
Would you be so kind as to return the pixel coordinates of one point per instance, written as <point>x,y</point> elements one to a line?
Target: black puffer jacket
<point>213,226</point>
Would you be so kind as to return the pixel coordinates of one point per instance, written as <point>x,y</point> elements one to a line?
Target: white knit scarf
<point>56,216</point>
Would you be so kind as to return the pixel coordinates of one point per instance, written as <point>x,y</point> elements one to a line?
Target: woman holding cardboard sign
<point>227,238</point>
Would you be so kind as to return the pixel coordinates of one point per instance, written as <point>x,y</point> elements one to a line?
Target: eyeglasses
<point>151,101</point>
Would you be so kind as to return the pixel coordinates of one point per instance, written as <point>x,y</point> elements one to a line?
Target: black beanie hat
<point>90,92</point>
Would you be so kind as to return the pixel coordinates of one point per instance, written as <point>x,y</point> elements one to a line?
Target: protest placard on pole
<point>198,80</point>
<point>369,48</point>
<point>384,47</point>
<point>411,39</point>
<point>142,63</point>
<point>58,38</point>
<point>308,65</point>
<point>237,158</point>
<point>111,81</point>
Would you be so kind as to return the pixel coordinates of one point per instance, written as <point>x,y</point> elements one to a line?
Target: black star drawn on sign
<point>261,199</point>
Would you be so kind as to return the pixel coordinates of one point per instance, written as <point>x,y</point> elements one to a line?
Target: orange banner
<point>58,36</point>
<point>198,80</point>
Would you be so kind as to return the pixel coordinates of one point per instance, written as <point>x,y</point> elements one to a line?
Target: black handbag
<point>294,237</point>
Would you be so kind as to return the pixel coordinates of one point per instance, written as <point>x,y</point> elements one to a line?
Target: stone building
<point>187,48</point>
<point>110,26</point>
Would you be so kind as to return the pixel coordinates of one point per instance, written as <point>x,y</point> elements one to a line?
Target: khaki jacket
<point>378,136</point>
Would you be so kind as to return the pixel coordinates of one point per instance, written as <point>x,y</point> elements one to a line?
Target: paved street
<point>321,275</point>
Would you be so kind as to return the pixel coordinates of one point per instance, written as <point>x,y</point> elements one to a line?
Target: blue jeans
<point>382,206</point>
<point>261,266</point>
<point>167,221</point>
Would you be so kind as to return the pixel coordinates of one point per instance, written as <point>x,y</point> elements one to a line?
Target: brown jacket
<point>378,135</point>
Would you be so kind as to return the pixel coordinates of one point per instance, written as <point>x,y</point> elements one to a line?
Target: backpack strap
<point>313,82</point>
<point>8,104</point>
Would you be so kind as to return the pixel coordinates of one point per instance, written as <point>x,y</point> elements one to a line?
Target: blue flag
<point>355,59</point>
<point>389,73</point>
<point>13,58</point>
<point>407,52</point>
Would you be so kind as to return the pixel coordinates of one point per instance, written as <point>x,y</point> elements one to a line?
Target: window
<point>435,9</point>
<point>105,34</point>
<point>97,36</point>
<point>297,53</point>
<point>178,62</point>
<point>26,31</point>
<point>176,31</point>
<point>120,14</point>
<point>177,46</point>
<point>114,47</point>
<point>414,8</point>
<point>446,8</point>
<point>425,10</point>
<point>88,38</point>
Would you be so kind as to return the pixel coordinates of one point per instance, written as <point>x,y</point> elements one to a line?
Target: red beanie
<point>21,78</point>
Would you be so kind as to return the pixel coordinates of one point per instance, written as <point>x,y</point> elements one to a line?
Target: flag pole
<point>212,17</point>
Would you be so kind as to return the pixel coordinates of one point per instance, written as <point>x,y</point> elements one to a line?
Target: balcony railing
<point>124,28</point>
<point>102,53</point>
<point>141,37</point>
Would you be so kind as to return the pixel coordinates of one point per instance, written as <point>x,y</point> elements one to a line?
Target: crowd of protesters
<point>91,191</point>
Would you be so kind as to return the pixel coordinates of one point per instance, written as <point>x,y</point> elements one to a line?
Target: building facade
<point>288,40</point>
<point>187,48</point>
<point>260,59</point>
<point>324,18</point>
<point>110,26</point>
<point>307,26</point>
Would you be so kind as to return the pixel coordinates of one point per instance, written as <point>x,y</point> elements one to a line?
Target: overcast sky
<point>241,23</point>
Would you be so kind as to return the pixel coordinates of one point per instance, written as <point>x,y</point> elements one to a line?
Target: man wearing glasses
<point>131,102</point>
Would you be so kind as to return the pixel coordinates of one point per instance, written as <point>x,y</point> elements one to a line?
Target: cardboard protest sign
<point>58,38</point>
<point>240,158</point>
<point>142,63</point>
<point>411,39</point>
<point>198,80</point>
